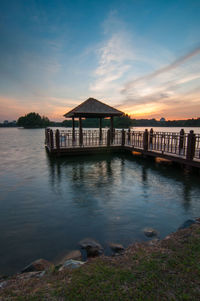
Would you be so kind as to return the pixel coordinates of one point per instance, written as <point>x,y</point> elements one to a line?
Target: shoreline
<point>178,246</point>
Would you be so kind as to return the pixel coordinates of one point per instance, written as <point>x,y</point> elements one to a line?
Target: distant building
<point>5,122</point>
<point>162,119</point>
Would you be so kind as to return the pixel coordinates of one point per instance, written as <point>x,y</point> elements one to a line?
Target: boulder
<point>75,255</point>
<point>150,232</point>
<point>153,242</point>
<point>3,284</point>
<point>28,275</point>
<point>117,248</point>
<point>37,265</point>
<point>93,251</point>
<point>88,242</point>
<point>72,264</point>
<point>187,224</point>
<point>92,247</point>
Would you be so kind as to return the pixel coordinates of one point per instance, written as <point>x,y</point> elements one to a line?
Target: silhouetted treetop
<point>33,120</point>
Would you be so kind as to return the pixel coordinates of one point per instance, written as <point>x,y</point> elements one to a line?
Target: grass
<point>169,270</point>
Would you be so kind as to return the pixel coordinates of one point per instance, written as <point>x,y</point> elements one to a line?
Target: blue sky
<point>141,56</point>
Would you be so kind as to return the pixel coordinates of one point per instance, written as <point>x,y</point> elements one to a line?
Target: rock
<point>93,251</point>
<point>88,242</point>
<point>3,284</point>
<point>75,255</point>
<point>28,275</point>
<point>187,224</point>
<point>150,232</point>
<point>37,265</point>
<point>92,247</point>
<point>117,248</point>
<point>153,242</point>
<point>73,264</point>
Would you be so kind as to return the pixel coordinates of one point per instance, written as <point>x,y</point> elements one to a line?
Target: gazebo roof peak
<point>93,108</point>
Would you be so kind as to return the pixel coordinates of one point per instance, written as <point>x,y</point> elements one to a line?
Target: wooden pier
<point>178,147</point>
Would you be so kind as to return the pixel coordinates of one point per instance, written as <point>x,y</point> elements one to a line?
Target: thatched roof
<point>93,108</point>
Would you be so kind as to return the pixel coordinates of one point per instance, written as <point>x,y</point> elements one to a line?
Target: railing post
<point>145,140</point>
<point>57,139</point>
<point>191,145</point>
<point>51,139</point>
<point>80,132</point>
<point>129,135</point>
<point>123,137</point>
<point>181,141</point>
<point>73,130</point>
<point>108,138</point>
<point>151,138</point>
<point>100,130</point>
<point>47,136</point>
<point>80,138</point>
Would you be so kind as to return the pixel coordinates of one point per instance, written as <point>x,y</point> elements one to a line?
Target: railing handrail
<point>185,145</point>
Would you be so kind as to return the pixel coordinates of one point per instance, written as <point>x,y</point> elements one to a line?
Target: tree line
<point>34,120</point>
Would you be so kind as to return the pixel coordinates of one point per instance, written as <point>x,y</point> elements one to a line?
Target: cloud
<point>142,77</point>
<point>52,107</point>
<point>163,70</point>
<point>113,62</point>
<point>172,90</point>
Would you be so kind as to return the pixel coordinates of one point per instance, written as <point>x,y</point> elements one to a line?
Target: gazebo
<point>92,108</point>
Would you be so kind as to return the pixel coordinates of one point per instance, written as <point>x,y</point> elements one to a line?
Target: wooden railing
<point>179,144</point>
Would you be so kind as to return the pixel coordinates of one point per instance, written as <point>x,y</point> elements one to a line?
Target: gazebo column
<point>100,129</point>
<point>111,129</point>
<point>80,132</point>
<point>73,129</point>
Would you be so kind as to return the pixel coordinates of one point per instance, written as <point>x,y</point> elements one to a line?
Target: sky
<point>140,56</point>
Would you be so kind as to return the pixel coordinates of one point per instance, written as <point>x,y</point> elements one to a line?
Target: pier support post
<point>47,136</point>
<point>181,141</point>
<point>51,139</point>
<point>108,138</point>
<point>123,137</point>
<point>111,129</point>
<point>191,146</point>
<point>145,140</point>
<point>151,138</point>
<point>73,130</point>
<point>80,132</point>
<point>57,139</point>
<point>100,130</point>
<point>129,136</point>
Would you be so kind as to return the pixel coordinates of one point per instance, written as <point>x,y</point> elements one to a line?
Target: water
<point>168,129</point>
<point>48,205</point>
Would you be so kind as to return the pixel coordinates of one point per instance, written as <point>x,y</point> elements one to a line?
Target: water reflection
<point>90,174</point>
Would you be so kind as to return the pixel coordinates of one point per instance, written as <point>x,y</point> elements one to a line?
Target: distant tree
<point>33,120</point>
<point>123,122</point>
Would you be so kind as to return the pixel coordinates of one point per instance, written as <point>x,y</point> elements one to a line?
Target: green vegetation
<point>126,122</point>
<point>119,122</point>
<point>166,270</point>
<point>33,120</point>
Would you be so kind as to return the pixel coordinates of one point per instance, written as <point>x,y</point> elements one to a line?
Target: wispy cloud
<point>114,56</point>
<point>175,64</point>
<point>113,62</point>
<point>144,78</point>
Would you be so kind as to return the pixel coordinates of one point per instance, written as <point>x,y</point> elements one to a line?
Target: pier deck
<point>179,147</point>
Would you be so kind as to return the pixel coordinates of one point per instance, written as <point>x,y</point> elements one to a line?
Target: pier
<point>179,147</point>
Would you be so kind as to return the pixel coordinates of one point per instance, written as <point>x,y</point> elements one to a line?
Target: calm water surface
<point>48,205</point>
